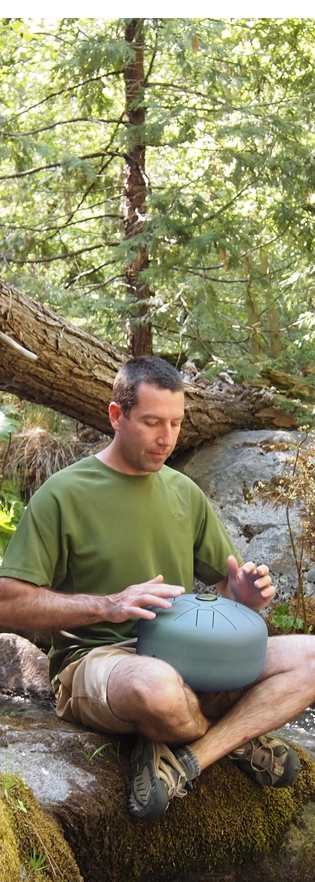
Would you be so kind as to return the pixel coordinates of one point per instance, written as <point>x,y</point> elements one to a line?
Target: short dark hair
<point>144,369</point>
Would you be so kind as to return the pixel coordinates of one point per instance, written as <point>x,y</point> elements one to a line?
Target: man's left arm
<point>247,583</point>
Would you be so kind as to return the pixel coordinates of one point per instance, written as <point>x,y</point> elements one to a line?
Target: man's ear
<point>115,412</point>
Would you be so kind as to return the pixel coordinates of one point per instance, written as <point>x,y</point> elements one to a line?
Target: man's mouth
<point>160,453</point>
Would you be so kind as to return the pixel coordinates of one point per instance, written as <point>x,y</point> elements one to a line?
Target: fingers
<point>233,566</point>
<point>257,576</point>
<point>157,588</point>
<point>262,572</point>
<point>143,612</point>
<point>263,584</point>
<point>135,599</point>
<point>250,567</point>
<point>268,593</point>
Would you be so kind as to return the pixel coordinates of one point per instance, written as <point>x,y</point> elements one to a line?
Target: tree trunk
<point>139,331</point>
<point>74,374</point>
<point>273,315</point>
<point>253,316</point>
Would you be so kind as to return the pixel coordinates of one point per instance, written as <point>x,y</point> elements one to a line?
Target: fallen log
<point>73,374</point>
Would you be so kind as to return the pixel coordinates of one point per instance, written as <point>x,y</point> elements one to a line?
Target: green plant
<point>299,487</point>
<point>283,619</point>
<point>9,782</point>
<point>11,510</point>
<point>11,504</point>
<point>9,423</point>
<point>38,861</point>
<point>99,750</point>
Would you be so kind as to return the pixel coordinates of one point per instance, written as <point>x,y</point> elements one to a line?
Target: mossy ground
<point>32,845</point>
<point>226,820</point>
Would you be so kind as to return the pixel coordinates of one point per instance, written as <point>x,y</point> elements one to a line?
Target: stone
<point>227,830</point>
<point>229,471</point>
<point>23,668</point>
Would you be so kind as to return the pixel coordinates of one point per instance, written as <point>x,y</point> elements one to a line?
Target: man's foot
<point>158,775</point>
<point>269,760</point>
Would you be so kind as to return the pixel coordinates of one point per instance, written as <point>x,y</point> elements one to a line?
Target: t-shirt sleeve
<point>213,545</point>
<point>37,551</point>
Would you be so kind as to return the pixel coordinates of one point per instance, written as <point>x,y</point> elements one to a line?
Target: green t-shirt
<point>90,529</point>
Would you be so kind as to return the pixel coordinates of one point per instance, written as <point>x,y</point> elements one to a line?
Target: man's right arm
<point>27,606</point>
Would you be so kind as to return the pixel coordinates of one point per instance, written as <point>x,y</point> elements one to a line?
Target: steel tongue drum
<point>213,642</point>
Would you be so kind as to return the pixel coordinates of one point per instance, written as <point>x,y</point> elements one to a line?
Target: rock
<point>227,830</point>
<point>229,472</point>
<point>81,779</point>
<point>30,838</point>
<point>23,668</point>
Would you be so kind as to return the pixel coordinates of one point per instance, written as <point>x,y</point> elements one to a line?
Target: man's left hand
<point>249,584</point>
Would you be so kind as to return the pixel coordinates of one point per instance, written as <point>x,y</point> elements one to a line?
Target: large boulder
<point>23,668</point>
<point>227,830</point>
<point>231,472</point>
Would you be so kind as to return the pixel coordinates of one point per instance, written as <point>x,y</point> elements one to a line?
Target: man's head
<point>146,415</point>
<point>144,369</point>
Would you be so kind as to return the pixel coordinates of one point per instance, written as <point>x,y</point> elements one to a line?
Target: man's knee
<point>292,654</point>
<point>157,685</point>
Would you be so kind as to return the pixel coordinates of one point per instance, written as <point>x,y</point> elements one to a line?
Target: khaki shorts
<point>82,695</point>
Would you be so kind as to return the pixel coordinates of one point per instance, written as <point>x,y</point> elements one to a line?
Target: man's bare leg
<point>165,709</point>
<point>150,693</point>
<point>285,688</point>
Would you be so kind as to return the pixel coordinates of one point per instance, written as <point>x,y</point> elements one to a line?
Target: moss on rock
<point>32,844</point>
<point>223,830</point>
<point>226,821</point>
<point>9,854</point>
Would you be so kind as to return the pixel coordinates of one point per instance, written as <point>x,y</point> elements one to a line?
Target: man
<point>112,536</point>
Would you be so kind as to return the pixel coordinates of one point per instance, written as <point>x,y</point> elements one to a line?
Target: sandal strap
<point>164,762</point>
<point>265,756</point>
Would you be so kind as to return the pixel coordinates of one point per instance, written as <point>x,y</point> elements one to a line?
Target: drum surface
<point>213,642</point>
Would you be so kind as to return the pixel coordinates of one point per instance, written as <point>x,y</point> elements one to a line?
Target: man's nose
<point>165,436</point>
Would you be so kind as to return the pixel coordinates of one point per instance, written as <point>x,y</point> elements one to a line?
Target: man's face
<point>147,437</point>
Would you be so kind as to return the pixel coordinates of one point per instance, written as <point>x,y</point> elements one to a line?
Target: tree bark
<point>139,330</point>
<point>272,311</point>
<point>253,316</point>
<point>74,374</point>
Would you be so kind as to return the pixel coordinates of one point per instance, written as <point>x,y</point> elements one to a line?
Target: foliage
<point>296,486</point>
<point>230,180</point>
<point>9,423</point>
<point>11,504</point>
<point>283,619</point>
<point>11,510</point>
<point>99,750</point>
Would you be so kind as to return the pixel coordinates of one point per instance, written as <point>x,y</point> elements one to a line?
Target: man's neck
<point>111,457</point>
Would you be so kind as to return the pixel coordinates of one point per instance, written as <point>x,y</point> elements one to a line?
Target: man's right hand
<point>135,600</point>
<point>24,605</point>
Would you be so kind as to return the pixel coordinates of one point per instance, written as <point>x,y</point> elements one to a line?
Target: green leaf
<point>6,525</point>
<point>9,423</point>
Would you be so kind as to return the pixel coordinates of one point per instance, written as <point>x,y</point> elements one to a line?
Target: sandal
<point>158,775</point>
<point>268,760</point>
